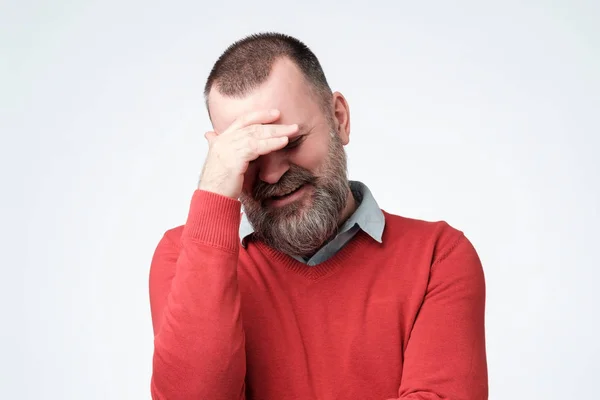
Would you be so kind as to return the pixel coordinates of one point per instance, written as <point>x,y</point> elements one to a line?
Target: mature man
<point>313,292</point>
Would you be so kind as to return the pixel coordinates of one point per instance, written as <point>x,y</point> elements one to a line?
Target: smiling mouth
<point>283,196</point>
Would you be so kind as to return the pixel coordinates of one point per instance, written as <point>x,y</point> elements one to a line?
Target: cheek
<point>310,156</point>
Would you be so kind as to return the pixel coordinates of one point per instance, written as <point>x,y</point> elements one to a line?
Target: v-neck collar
<point>348,253</point>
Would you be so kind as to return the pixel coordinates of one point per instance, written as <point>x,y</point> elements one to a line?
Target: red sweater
<point>403,319</point>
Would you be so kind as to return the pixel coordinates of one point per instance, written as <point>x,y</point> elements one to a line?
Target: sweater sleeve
<point>445,356</point>
<point>199,347</point>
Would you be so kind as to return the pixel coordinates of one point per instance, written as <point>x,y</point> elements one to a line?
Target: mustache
<point>295,177</point>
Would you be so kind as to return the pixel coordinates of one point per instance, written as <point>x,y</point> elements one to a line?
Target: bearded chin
<point>302,230</point>
<point>303,227</point>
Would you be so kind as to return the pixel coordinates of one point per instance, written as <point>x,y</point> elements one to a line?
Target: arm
<point>195,302</point>
<point>446,357</point>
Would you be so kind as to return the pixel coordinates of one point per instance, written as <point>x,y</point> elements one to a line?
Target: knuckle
<point>247,131</point>
<point>253,145</point>
<point>245,140</point>
<point>244,144</point>
<point>270,130</point>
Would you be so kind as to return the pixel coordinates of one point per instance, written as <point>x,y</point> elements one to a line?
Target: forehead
<point>286,89</point>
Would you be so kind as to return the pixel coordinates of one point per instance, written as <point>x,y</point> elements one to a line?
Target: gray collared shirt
<point>368,217</point>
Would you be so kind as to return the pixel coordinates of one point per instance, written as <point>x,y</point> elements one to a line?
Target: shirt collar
<point>368,216</point>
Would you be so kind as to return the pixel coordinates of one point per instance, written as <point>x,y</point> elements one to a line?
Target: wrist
<point>213,219</point>
<point>220,190</point>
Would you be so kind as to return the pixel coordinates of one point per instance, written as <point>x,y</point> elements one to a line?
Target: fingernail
<point>274,112</point>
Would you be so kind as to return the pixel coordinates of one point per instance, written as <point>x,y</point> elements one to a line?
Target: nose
<point>271,167</point>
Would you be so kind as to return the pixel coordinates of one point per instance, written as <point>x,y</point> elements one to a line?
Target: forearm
<point>199,340</point>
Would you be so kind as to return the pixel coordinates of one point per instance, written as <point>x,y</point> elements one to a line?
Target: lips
<point>288,193</point>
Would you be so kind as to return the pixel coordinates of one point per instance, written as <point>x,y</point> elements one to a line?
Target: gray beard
<point>303,227</point>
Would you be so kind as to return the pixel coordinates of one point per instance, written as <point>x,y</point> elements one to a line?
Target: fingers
<point>256,117</point>
<point>251,136</point>
<point>269,131</point>
<point>262,147</point>
<point>258,132</point>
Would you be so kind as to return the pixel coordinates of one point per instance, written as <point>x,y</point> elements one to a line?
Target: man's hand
<point>230,152</point>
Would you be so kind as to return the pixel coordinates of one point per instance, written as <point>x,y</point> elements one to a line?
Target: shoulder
<point>437,239</point>
<point>401,227</point>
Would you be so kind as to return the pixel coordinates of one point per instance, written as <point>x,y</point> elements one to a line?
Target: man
<point>313,292</point>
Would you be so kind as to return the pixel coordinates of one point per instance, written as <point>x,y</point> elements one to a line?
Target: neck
<point>349,209</point>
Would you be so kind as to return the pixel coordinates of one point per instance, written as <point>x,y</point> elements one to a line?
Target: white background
<point>482,115</point>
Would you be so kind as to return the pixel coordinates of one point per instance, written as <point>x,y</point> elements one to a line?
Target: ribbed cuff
<point>213,219</point>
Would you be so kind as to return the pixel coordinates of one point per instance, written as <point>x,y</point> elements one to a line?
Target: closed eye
<point>294,143</point>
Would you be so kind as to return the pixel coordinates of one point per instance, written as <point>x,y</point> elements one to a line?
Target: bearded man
<point>287,281</point>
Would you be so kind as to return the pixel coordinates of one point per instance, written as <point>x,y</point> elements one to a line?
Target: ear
<point>341,112</point>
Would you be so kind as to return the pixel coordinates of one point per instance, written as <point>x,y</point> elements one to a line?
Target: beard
<point>303,226</point>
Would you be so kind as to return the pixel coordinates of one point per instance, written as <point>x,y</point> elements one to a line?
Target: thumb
<point>210,136</point>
